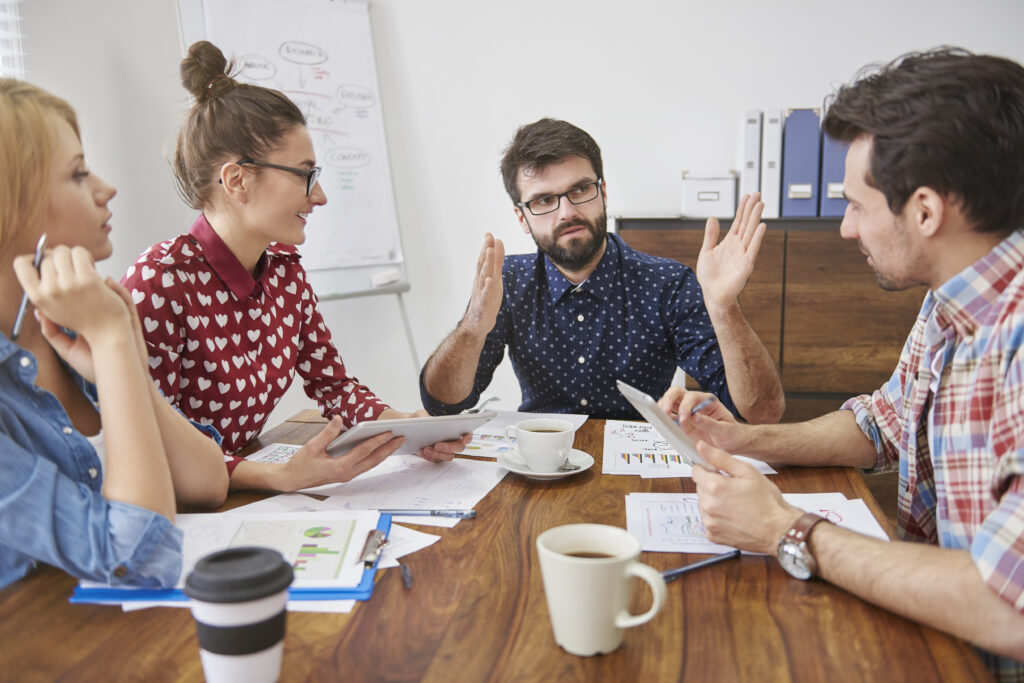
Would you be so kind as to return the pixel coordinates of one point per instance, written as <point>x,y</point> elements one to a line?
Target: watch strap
<point>798,534</point>
<point>801,528</point>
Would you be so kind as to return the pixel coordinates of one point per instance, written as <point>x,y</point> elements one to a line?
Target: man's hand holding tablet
<point>664,425</point>
<point>703,418</point>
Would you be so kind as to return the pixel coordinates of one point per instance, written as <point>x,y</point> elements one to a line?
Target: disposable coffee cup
<point>543,443</point>
<point>588,572</point>
<point>238,599</point>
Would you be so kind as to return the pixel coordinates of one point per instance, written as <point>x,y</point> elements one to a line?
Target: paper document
<point>323,547</point>
<point>671,522</point>
<point>409,482</point>
<point>637,448</point>
<point>490,440</point>
<point>403,541</point>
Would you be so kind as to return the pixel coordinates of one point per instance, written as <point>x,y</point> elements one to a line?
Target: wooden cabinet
<point>814,302</point>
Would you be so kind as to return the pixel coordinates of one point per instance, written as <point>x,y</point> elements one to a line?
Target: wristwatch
<point>793,553</point>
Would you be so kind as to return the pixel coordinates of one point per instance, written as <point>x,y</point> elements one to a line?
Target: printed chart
<point>637,448</point>
<point>314,551</point>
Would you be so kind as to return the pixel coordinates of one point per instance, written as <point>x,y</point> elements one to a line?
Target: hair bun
<point>205,71</point>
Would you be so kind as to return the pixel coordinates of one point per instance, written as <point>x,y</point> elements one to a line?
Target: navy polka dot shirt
<point>635,318</point>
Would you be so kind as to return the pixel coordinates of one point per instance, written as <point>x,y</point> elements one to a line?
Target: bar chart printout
<point>636,448</point>
<point>315,551</point>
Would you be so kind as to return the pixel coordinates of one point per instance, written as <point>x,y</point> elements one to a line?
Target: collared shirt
<point>952,416</point>
<point>635,318</point>
<point>51,504</point>
<point>224,346</point>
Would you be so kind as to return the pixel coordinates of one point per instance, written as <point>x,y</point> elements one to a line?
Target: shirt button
<point>68,430</point>
<point>583,401</point>
<point>582,359</point>
<point>580,317</point>
<point>93,473</point>
<point>25,361</point>
<point>120,572</point>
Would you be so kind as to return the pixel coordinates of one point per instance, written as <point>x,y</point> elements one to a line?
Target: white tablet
<point>418,431</point>
<point>664,425</point>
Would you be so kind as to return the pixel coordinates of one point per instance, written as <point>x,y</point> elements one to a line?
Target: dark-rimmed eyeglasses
<point>310,174</point>
<point>579,194</point>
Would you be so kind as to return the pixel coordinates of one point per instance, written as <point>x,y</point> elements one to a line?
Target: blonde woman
<point>92,458</point>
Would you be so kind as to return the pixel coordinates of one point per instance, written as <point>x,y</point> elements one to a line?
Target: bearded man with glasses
<point>586,309</point>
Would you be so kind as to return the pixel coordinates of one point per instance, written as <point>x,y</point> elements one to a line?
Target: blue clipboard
<point>111,595</point>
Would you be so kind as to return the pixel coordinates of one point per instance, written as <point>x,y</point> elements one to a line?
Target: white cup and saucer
<point>544,450</point>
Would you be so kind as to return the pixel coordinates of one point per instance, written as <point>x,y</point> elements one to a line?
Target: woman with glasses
<point>93,460</point>
<point>226,309</point>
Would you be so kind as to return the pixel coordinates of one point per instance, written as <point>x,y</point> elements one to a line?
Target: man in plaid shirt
<point>935,183</point>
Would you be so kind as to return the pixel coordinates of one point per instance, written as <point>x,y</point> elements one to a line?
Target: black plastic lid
<point>239,575</point>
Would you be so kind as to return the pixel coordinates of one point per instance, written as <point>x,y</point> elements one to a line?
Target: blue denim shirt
<point>636,318</point>
<point>51,505</point>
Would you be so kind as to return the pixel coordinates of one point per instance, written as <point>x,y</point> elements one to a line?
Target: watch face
<point>792,558</point>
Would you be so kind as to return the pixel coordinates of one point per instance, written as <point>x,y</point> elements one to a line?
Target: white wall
<point>659,85</point>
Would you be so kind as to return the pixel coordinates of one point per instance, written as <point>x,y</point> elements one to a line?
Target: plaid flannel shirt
<point>952,416</point>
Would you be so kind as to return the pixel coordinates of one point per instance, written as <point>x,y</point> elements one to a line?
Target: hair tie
<point>214,80</point>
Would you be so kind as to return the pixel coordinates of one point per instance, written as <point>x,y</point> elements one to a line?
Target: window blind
<point>11,59</point>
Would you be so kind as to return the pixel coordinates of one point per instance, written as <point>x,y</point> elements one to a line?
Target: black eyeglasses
<point>550,202</point>
<point>311,175</point>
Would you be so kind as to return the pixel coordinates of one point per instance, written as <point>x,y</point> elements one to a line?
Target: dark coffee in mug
<point>545,431</point>
<point>589,555</point>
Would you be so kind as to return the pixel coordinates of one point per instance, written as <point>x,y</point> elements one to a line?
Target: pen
<point>23,308</point>
<point>461,514</point>
<point>406,574</point>
<point>702,405</point>
<point>673,574</point>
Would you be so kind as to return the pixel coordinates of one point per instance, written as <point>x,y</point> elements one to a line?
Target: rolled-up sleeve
<point>49,517</point>
<point>998,547</point>
<point>881,414</point>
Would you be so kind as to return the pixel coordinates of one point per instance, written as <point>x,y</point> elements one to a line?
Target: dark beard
<point>577,254</point>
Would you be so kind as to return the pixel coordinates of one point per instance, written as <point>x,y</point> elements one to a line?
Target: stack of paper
<point>401,542</point>
<point>323,548</point>
<point>671,522</point>
<point>637,448</point>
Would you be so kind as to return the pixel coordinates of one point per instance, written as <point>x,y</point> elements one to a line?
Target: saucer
<point>512,463</point>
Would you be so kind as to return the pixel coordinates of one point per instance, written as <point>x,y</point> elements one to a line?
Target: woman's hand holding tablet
<point>419,432</point>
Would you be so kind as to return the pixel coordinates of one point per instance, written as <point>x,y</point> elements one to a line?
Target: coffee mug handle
<point>510,432</point>
<point>653,578</point>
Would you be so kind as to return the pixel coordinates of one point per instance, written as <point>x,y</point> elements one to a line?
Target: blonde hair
<point>26,150</point>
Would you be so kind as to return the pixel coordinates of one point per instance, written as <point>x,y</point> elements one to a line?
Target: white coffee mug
<point>588,572</point>
<point>543,443</point>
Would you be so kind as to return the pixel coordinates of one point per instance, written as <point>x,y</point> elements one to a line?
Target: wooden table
<point>476,610</point>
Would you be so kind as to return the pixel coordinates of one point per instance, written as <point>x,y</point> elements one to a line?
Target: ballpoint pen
<point>23,308</point>
<point>673,574</point>
<point>702,405</point>
<point>460,514</point>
